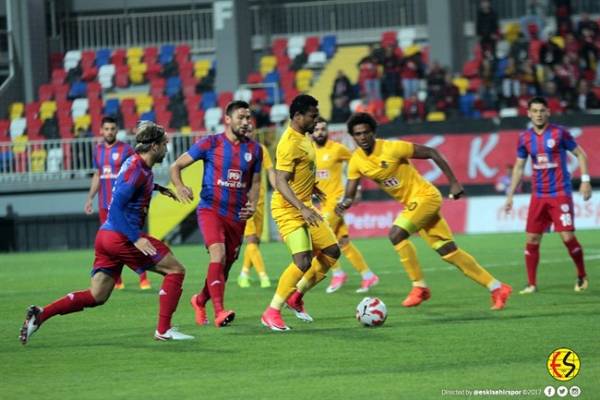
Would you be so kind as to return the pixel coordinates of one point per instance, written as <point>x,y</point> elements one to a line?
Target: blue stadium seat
<point>173,86</point>
<point>78,89</point>
<point>166,54</point>
<point>148,116</point>
<point>111,107</point>
<point>209,100</point>
<point>329,45</point>
<point>102,57</point>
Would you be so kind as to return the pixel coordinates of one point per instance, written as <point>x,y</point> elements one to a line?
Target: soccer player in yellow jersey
<point>254,226</point>
<point>388,164</point>
<point>330,157</point>
<point>299,223</point>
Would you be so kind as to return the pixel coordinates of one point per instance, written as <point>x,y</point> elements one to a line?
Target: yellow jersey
<point>295,154</point>
<point>267,164</point>
<point>329,162</point>
<point>389,166</point>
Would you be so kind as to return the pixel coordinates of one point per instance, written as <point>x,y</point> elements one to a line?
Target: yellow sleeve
<point>395,150</point>
<point>286,156</point>
<point>344,153</point>
<point>267,161</point>
<point>353,170</point>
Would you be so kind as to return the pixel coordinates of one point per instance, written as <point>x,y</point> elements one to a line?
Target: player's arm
<point>349,196</point>
<point>515,179</point>
<point>282,179</point>
<point>586,187</point>
<point>165,191</point>
<point>184,193</point>
<point>250,207</point>
<point>94,187</point>
<point>271,177</point>
<point>428,153</point>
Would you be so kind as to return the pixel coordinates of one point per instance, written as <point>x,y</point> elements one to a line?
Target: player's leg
<point>439,237</point>
<point>338,276</point>
<point>351,252</point>
<point>249,235</point>
<point>538,221</point>
<point>170,292</point>
<point>563,218</point>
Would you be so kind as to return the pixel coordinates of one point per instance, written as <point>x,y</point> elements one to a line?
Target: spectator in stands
<point>368,78</point>
<point>555,103</point>
<point>588,51</point>
<point>586,23</point>
<point>341,95</point>
<point>566,75</point>
<point>486,26</point>
<point>562,13</point>
<point>414,109</point>
<point>519,50</point>
<point>488,95</point>
<point>260,113</point>
<point>585,99</point>
<point>411,73</point>
<point>535,16</point>
<point>391,72</point>
<point>340,111</point>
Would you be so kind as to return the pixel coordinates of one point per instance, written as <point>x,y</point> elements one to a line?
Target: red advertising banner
<point>375,218</point>
<point>482,158</point>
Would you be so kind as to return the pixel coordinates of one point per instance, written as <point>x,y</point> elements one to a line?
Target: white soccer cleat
<point>172,334</point>
<point>581,284</point>
<point>31,324</point>
<point>303,315</point>
<point>529,289</point>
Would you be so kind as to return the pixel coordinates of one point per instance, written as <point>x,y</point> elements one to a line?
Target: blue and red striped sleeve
<point>567,140</point>
<point>200,149</point>
<point>259,158</point>
<point>127,184</point>
<point>522,151</point>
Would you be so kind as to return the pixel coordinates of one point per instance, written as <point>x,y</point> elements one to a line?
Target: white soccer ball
<point>371,311</point>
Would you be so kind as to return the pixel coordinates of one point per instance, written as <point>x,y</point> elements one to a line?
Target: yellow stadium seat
<point>38,160</point>
<point>393,107</point>
<point>202,64</point>
<point>186,130</point>
<point>47,110</point>
<point>135,52</point>
<point>83,122</point>
<point>559,41</point>
<point>511,31</point>
<point>20,144</point>
<point>304,74</point>
<point>16,110</point>
<point>136,73</point>
<point>144,103</point>
<point>411,50</point>
<point>462,84</point>
<point>436,116</point>
<point>267,64</point>
<point>200,73</point>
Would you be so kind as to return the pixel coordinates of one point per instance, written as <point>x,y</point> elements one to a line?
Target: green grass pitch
<point>452,342</point>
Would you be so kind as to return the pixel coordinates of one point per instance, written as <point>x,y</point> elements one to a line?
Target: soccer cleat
<point>119,283</point>
<point>296,304</point>
<point>265,282</point>
<point>366,284</point>
<point>500,296</point>
<point>529,289</point>
<point>30,325</point>
<point>145,284</point>
<point>224,318</point>
<point>200,311</point>
<point>271,318</point>
<point>416,296</point>
<point>243,281</point>
<point>581,284</point>
<point>337,281</point>
<point>171,334</point>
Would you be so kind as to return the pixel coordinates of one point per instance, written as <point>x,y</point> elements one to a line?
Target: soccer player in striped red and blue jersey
<point>229,194</point>
<point>120,241</point>
<point>551,195</point>
<point>108,158</point>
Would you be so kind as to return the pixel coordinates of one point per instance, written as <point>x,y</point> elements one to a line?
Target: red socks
<point>576,253</point>
<point>532,258</point>
<point>168,298</point>
<point>215,283</point>
<point>71,303</point>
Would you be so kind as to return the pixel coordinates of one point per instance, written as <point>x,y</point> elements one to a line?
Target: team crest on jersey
<point>115,156</point>
<point>564,207</point>
<point>383,164</point>
<point>248,157</point>
<point>325,157</point>
<point>550,143</point>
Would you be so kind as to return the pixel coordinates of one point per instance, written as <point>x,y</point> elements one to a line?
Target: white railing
<point>65,159</point>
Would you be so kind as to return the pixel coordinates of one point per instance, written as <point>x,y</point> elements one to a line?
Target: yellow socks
<point>287,285</point>
<point>317,272</point>
<point>255,257</point>
<point>355,257</point>
<point>470,267</point>
<point>408,256</point>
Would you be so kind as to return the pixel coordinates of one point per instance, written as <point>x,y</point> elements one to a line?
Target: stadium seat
<point>436,116</point>
<point>393,107</point>
<point>209,100</point>
<point>38,160</point>
<point>295,46</point>
<point>201,68</point>
<point>16,110</point>
<point>58,76</point>
<point>317,59</point>
<point>167,52</point>
<point>267,64</point>
<point>254,77</point>
<point>47,109</point>
<point>94,90</point>
<point>304,80</point>
<point>164,118</point>
<point>143,103</point>
<point>462,84</point>
<point>79,107</point>
<point>173,86</point>
<point>33,129</point>
<point>88,59</point>
<point>243,94</point>
<point>78,89</point>
<point>148,116</point>
<point>17,127</point>
<point>212,118</point>
<point>279,46</point>
<point>55,158</point>
<point>61,92</point>
<point>311,44</point>
<point>182,50</point>
<point>111,107</point>
<point>329,45</point>
<point>45,92</point>
<point>224,98</point>
<point>4,129</point>
<point>406,37</point>
<point>389,39</point>
<point>71,60</point>
<point>471,68</point>
<point>508,112</point>
<point>102,57</point>
<point>136,73</point>
<point>279,113</point>
<point>105,75</point>
<point>82,122</point>
<point>119,56</point>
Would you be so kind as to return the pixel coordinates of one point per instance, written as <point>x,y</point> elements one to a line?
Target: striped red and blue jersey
<point>130,199</point>
<point>107,161</point>
<point>228,171</point>
<point>548,151</point>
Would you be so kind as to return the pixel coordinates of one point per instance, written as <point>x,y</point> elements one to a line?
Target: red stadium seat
<point>58,76</point>
<point>534,50</point>
<point>61,93</point>
<point>122,76</point>
<point>45,92</point>
<point>119,56</point>
<point>89,74</point>
<point>150,54</point>
<point>192,101</point>
<point>94,90</point>
<point>279,46</point>
<point>389,38</point>
<point>153,70</point>
<point>311,44</point>
<point>182,50</point>
<point>161,103</point>
<point>471,69</point>
<point>254,77</point>
<point>88,59</point>
<point>224,99</point>
<point>157,87</point>
<point>164,118</point>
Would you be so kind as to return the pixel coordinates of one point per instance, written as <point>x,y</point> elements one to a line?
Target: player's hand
<point>508,204</point>
<point>247,211</point>
<point>318,193</point>
<point>185,194</point>
<point>165,191</point>
<point>342,206</point>
<point>145,246</point>
<point>310,216</point>
<point>87,208</point>
<point>456,191</point>
<point>586,190</point>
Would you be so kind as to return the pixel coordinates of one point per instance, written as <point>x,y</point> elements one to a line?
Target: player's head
<point>538,111</point>
<point>151,138</point>
<point>238,119</point>
<point>108,129</point>
<point>362,127</point>
<point>319,133</point>
<point>304,112</point>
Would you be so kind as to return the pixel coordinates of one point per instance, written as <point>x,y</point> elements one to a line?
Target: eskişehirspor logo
<point>563,364</point>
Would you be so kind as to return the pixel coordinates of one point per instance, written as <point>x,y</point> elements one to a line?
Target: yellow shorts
<point>422,214</point>
<point>254,225</point>
<point>290,220</point>
<point>337,223</point>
